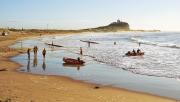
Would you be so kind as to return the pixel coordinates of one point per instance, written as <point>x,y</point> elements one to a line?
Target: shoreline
<point>109,90</point>
<point>91,84</point>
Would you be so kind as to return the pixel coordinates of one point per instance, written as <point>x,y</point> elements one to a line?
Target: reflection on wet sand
<point>70,65</point>
<point>28,66</point>
<point>44,65</point>
<point>35,61</point>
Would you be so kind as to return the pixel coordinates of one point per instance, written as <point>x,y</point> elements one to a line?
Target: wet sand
<point>23,87</point>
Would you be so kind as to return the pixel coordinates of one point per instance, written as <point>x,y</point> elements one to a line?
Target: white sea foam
<point>161,44</point>
<point>159,59</point>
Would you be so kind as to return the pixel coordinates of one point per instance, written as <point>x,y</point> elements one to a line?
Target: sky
<point>76,14</point>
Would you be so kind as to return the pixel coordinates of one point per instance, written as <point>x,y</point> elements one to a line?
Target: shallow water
<point>157,72</point>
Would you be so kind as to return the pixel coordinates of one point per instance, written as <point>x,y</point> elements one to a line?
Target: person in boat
<point>129,52</point>
<point>134,52</point>
<point>81,52</point>
<point>28,52</point>
<point>44,53</point>
<point>79,59</point>
<point>138,51</point>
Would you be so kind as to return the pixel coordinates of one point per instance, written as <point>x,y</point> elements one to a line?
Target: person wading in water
<point>81,52</point>
<point>44,53</point>
<point>35,49</point>
<point>28,52</point>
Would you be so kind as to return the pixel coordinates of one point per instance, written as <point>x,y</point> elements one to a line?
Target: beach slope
<point>23,87</point>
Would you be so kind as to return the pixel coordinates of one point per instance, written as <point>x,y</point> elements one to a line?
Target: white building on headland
<point>118,21</point>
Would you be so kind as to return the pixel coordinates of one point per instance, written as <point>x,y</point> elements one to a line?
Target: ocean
<point>157,72</point>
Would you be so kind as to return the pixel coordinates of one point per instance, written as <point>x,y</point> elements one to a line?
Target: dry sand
<point>23,87</point>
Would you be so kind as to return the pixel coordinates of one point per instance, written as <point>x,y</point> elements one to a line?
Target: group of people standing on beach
<point>35,50</point>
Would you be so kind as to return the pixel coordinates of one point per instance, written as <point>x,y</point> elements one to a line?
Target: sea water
<point>157,72</point>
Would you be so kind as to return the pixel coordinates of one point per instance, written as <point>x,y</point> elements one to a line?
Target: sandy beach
<point>23,87</point>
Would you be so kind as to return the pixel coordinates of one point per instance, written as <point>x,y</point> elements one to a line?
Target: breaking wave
<point>159,60</point>
<point>170,45</point>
